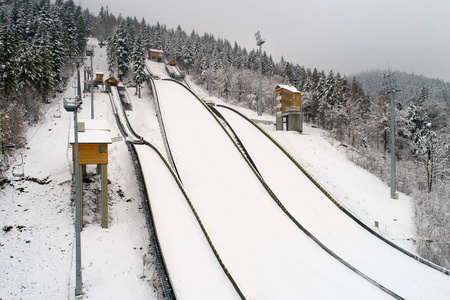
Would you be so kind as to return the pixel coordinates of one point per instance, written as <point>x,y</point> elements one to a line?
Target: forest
<point>39,40</point>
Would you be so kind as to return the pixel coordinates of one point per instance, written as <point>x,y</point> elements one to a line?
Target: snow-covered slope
<point>381,262</point>
<point>268,256</point>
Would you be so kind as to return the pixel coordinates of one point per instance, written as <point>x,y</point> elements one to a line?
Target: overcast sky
<point>340,35</point>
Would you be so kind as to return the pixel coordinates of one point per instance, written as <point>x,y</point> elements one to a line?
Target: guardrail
<point>151,83</point>
<point>161,268</point>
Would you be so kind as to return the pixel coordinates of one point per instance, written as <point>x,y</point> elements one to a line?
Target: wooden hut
<point>93,140</point>
<point>98,78</point>
<point>289,108</point>
<point>111,81</point>
<point>155,55</point>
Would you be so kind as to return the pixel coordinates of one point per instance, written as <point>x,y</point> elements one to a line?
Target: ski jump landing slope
<point>375,258</point>
<point>267,255</point>
<point>192,266</point>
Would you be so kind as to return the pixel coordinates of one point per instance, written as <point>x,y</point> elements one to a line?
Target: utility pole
<point>90,53</point>
<point>390,89</point>
<point>259,42</point>
<point>209,76</point>
<point>74,106</point>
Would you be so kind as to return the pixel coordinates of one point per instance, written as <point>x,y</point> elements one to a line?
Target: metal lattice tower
<point>259,42</point>
<point>391,88</point>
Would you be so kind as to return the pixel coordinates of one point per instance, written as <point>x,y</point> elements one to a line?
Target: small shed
<point>93,140</point>
<point>111,81</point>
<point>99,78</point>
<point>172,63</point>
<point>289,108</point>
<point>155,55</point>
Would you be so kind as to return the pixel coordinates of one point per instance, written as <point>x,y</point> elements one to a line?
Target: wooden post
<point>104,175</point>
<point>80,178</point>
<point>83,170</point>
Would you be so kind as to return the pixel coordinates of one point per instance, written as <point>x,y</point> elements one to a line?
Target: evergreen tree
<point>145,36</point>
<point>27,72</point>
<point>158,38</point>
<point>138,63</point>
<point>8,54</point>
<point>122,48</point>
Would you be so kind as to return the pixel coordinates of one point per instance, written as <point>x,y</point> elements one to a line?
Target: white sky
<point>346,36</point>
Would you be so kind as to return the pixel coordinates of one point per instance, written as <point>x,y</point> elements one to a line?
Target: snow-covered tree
<point>122,50</point>
<point>145,35</point>
<point>138,66</point>
<point>158,42</point>
<point>8,54</point>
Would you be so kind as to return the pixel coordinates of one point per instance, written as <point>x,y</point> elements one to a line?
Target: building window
<point>101,149</point>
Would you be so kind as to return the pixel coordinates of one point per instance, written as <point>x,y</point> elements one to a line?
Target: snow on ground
<point>323,219</point>
<point>37,217</point>
<point>37,236</point>
<point>158,69</point>
<point>362,193</point>
<point>193,268</point>
<point>359,191</point>
<point>265,252</point>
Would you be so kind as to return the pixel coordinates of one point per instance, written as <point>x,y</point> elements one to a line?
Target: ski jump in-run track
<point>232,233</point>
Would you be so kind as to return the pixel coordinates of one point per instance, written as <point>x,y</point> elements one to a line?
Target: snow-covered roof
<point>158,51</point>
<point>94,124</point>
<point>95,132</point>
<point>92,137</point>
<point>290,88</point>
<point>111,79</point>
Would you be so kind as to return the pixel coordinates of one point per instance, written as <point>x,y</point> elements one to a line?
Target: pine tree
<point>138,63</point>
<point>145,35</point>
<point>158,38</point>
<point>27,72</point>
<point>122,48</point>
<point>8,54</point>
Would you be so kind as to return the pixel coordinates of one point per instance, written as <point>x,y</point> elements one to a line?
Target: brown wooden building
<point>155,55</point>
<point>289,108</point>
<point>93,140</point>
<point>111,81</point>
<point>288,96</point>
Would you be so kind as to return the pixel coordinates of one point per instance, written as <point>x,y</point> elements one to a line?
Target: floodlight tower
<point>259,42</point>
<point>391,88</point>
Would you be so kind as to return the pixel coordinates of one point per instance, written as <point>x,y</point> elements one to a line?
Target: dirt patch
<point>44,181</point>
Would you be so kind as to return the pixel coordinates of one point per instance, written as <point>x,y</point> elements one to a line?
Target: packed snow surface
<point>267,255</point>
<point>331,226</point>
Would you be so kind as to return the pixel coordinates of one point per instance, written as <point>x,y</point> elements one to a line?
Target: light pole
<point>391,88</point>
<point>73,104</point>
<point>90,53</point>
<point>259,42</point>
